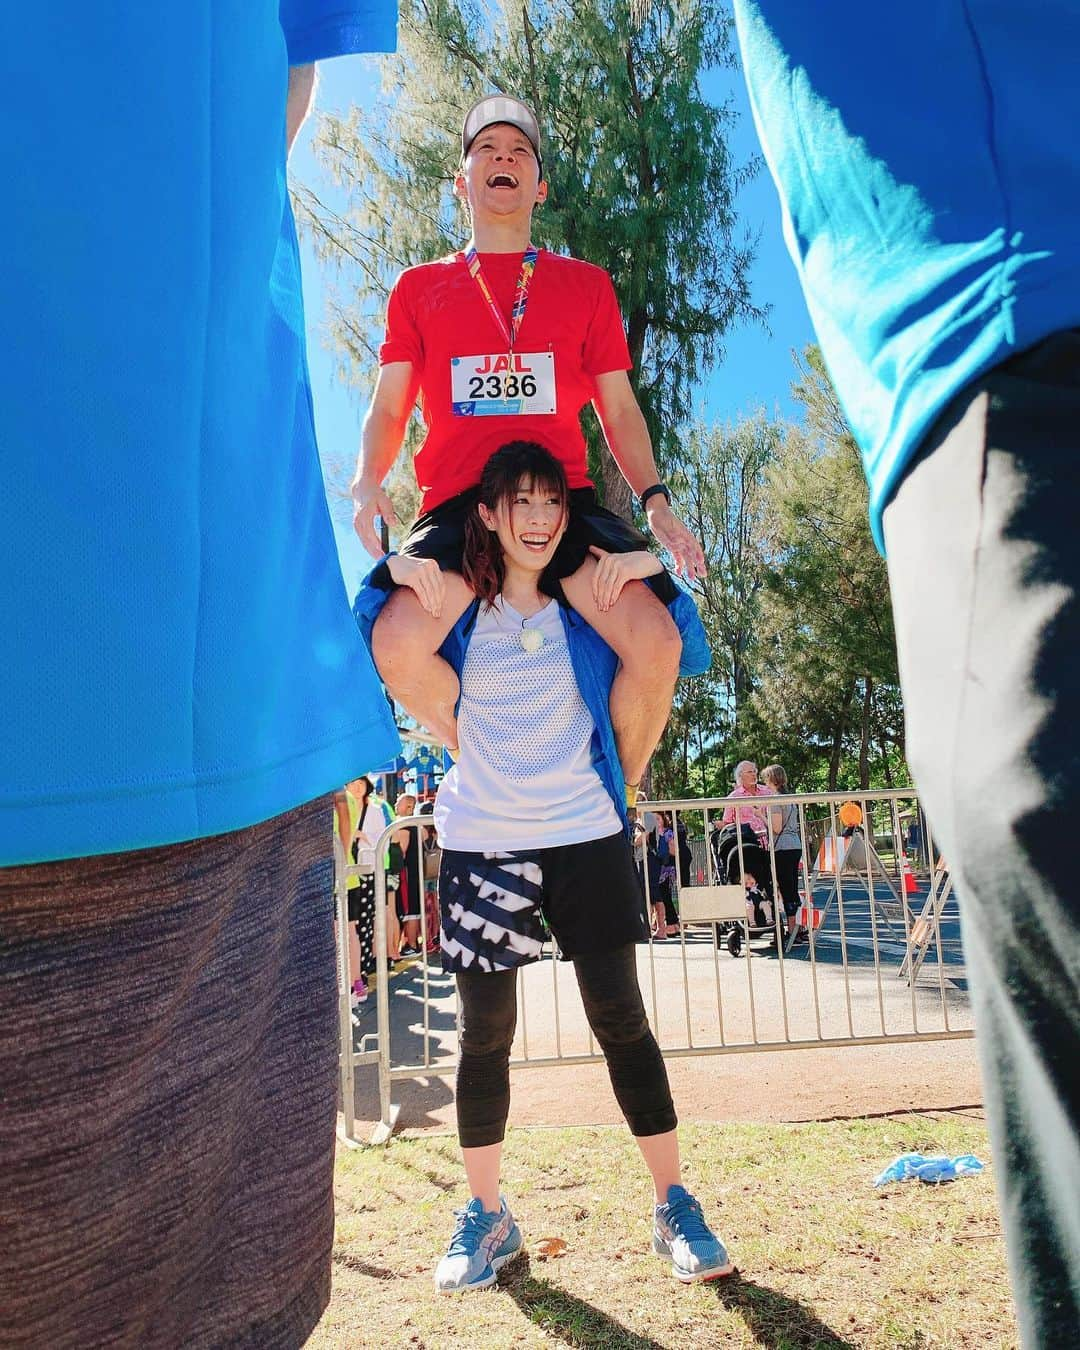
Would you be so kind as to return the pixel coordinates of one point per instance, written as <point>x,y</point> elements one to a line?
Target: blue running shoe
<point>682,1235</point>
<point>482,1243</point>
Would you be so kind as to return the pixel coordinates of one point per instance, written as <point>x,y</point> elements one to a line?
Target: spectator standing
<point>746,785</point>
<point>915,838</point>
<point>786,843</point>
<point>667,849</point>
<point>393,860</point>
<point>346,814</point>
<point>372,817</point>
<point>647,862</point>
<point>432,857</point>
<point>425,765</point>
<point>410,891</point>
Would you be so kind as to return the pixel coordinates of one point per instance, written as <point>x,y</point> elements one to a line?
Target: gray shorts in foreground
<point>168,1044</point>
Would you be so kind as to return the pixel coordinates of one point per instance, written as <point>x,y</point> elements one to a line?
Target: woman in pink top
<point>746,785</point>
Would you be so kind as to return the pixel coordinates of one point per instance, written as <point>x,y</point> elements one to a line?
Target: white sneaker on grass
<point>681,1234</point>
<point>481,1244</point>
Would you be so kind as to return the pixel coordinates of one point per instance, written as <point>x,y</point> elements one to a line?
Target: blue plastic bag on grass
<point>930,1170</point>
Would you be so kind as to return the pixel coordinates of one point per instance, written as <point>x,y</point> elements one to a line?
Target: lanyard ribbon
<point>521,295</point>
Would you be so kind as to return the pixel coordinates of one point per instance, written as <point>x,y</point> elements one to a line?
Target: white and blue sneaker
<point>681,1234</point>
<point>481,1245</point>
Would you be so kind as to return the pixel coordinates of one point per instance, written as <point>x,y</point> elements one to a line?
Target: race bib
<point>503,385</point>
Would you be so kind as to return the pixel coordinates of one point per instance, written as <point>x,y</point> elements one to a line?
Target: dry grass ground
<point>825,1260</point>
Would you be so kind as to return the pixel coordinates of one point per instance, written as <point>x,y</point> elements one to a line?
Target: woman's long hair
<point>513,466</point>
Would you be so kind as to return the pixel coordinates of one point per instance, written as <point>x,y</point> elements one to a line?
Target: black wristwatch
<point>657,488</point>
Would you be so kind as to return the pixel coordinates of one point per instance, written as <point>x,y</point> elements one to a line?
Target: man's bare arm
<point>299,100</point>
<point>380,442</point>
<point>628,439</point>
<point>625,430</point>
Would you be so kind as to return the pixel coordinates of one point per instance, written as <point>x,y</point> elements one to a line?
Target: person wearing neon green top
<point>359,818</point>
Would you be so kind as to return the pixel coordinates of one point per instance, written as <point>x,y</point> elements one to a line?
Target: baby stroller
<point>760,905</point>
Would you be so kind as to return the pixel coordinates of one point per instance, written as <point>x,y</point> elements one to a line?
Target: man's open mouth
<point>506,180</point>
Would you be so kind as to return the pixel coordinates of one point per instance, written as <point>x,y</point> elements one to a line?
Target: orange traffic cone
<point>830,854</point>
<point>910,888</point>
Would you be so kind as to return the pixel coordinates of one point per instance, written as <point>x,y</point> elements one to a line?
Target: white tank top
<point>524,778</point>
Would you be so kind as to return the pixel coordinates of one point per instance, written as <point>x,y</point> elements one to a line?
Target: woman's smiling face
<point>529,525</point>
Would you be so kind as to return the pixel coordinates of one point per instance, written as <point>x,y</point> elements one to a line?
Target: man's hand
<point>628,439</point>
<point>614,570</point>
<point>369,501</point>
<point>676,538</point>
<point>423,576</point>
<point>380,440</point>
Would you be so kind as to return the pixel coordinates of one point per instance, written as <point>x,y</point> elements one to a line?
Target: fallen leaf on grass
<point>550,1247</point>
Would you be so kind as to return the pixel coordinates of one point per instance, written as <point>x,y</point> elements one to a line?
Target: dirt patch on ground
<point>782,1085</point>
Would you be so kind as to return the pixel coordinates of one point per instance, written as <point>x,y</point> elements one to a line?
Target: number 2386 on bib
<point>503,385</point>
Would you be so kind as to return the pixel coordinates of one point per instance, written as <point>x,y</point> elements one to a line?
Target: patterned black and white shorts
<point>499,908</point>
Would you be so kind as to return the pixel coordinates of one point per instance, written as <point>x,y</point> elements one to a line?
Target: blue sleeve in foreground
<point>316,30</point>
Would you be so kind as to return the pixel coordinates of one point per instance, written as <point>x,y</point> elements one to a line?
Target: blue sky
<point>757,370</point>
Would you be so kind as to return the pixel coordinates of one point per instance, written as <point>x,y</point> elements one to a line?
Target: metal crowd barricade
<point>828,990</point>
<point>351,1056</point>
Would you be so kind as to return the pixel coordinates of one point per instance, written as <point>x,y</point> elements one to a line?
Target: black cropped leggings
<point>787,878</point>
<point>612,999</point>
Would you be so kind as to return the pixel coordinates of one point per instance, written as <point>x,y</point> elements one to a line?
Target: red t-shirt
<point>437,312</point>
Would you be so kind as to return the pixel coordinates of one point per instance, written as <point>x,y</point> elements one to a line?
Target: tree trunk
<point>885,762</point>
<point>864,734</point>
<point>741,680</point>
<point>838,737</point>
<point>614,489</point>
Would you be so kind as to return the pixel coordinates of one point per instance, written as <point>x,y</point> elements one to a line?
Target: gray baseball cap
<point>493,108</point>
